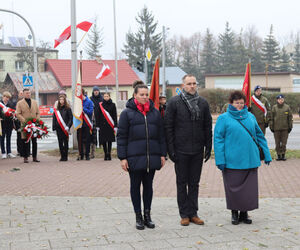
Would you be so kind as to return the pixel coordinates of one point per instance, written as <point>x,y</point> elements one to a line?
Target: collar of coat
<point>238,114</point>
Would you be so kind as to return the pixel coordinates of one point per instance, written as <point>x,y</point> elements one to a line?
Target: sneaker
<point>4,156</point>
<point>10,155</point>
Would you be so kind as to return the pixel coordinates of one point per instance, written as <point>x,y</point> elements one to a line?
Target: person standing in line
<point>61,123</point>
<point>108,125</point>
<point>28,108</point>
<point>261,109</point>
<point>141,149</point>
<point>281,125</point>
<point>237,156</point>
<point>17,125</point>
<point>7,126</point>
<point>162,105</point>
<point>188,126</point>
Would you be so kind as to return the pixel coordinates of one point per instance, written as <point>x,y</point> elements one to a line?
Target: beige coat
<point>23,112</point>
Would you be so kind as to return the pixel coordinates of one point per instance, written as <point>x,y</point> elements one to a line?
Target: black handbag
<point>261,152</point>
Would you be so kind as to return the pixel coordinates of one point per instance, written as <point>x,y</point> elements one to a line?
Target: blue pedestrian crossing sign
<point>27,81</point>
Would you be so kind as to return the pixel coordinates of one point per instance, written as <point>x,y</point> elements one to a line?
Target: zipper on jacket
<point>147,143</point>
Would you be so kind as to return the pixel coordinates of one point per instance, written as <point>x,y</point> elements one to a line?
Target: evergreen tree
<point>226,50</point>
<point>296,56</point>
<point>271,51</point>
<point>137,43</point>
<point>284,61</point>
<point>241,56</point>
<point>94,42</point>
<point>208,59</point>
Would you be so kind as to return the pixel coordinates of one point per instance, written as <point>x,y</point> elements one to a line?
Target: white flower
<point>34,135</point>
<point>28,130</point>
<point>34,129</point>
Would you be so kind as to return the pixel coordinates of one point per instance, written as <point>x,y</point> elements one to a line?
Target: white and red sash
<point>7,111</point>
<point>108,118</point>
<point>259,104</point>
<point>61,122</point>
<point>88,122</point>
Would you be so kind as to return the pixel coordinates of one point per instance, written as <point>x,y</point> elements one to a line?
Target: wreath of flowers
<point>34,128</point>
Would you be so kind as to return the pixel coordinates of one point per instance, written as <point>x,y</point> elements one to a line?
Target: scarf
<point>143,108</point>
<point>191,101</point>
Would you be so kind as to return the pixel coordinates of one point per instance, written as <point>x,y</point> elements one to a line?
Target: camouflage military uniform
<point>281,124</point>
<point>261,119</point>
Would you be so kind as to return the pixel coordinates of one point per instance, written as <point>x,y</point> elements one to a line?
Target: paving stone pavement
<point>75,223</point>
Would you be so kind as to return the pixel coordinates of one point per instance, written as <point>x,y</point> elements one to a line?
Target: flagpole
<point>116,54</point>
<point>74,59</point>
<point>81,39</point>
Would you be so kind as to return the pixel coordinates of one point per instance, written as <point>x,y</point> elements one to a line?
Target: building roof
<point>90,69</point>
<point>252,73</point>
<point>8,47</point>
<point>46,81</point>
<point>173,75</point>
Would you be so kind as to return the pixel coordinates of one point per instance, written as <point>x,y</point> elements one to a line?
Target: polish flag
<point>85,26</point>
<point>105,71</point>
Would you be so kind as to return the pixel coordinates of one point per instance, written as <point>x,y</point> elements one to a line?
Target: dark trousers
<point>26,148</point>
<point>63,143</point>
<point>19,144</point>
<point>6,134</point>
<point>107,147</point>
<point>188,171</point>
<point>281,137</point>
<point>136,179</point>
<point>85,140</point>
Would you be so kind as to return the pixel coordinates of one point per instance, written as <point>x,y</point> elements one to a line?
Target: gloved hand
<point>290,129</point>
<point>221,167</point>
<point>207,153</point>
<point>67,128</point>
<point>97,128</point>
<point>266,124</point>
<point>173,157</point>
<point>268,162</point>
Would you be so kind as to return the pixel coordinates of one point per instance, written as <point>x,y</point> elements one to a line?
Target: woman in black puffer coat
<point>142,149</point>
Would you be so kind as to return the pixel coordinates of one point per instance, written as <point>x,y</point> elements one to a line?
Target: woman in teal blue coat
<point>237,156</point>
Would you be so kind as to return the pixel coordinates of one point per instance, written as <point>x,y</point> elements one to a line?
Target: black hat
<point>280,96</point>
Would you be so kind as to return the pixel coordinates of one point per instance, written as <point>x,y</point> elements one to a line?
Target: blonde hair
<point>7,94</point>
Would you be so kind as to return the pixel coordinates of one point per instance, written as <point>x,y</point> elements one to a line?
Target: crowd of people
<point>180,128</point>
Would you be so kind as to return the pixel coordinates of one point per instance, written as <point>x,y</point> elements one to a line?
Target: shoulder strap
<point>249,133</point>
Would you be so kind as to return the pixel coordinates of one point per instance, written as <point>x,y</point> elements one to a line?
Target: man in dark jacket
<point>188,126</point>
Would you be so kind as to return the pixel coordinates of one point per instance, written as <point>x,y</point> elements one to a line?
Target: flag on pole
<point>85,26</point>
<point>154,91</point>
<point>247,84</point>
<point>105,71</point>
<point>78,108</point>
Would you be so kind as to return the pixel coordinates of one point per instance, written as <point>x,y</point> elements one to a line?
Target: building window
<point>1,65</point>
<point>19,66</point>
<point>123,95</point>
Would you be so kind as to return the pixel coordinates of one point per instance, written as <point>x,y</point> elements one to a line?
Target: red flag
<point>85,26</point>
<point>154,91</point>
<point>105,71</point>
<point>247,84</point>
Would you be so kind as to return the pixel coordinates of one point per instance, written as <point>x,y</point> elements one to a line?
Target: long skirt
<point>241,189</point>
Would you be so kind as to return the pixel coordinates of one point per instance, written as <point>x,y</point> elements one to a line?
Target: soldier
<point>281,124</point>
<point>260,108</point>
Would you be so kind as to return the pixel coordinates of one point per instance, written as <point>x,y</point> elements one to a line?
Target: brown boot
<point>26,160</point>
<point>185,222</point>
<point>197,220</point>
<point>35,159</point>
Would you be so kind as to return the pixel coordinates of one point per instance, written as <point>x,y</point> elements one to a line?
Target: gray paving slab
<point>109,223</point>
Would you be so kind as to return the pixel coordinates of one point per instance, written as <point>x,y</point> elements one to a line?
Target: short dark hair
<point>106,93</point>
<point>187,75</point>
<point>137,82</point>
<point>236,95</point>
<point>26,89</point>
<point>139,86</point>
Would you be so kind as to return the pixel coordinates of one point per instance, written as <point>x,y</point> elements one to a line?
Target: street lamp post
<point>35,63</point>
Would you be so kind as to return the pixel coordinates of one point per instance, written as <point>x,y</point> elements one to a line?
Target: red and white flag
<point>105,71</point>
<point>85,26</point>
<point>247,84</point>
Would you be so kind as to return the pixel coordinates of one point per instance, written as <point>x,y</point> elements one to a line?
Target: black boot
<point>105,157</point>
<point>139,221</point>
<point>278,158</point>
<point>109,157</point>
<point>244,218</point>
<point>234,217</point>
<point>147,218</point>
<point>283,157</point>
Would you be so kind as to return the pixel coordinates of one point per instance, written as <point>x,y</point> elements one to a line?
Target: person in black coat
<point>141,148</point>
<point>7,126</point>
<point>107,125</point>
<point>61,123</point>
<point>188,126</point>
<point>96,98</point>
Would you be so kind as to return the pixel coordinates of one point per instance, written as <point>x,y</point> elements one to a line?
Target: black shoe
<point>105,157</point>
<point>283,157</point>
<point>61,159</point>
<point>109,157</point>
<point>139,221</point>
<point>278,158</point>
<point>87,157</point>
<point>244,218</point>
<point>147,219</point>
<point>234,217</point>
